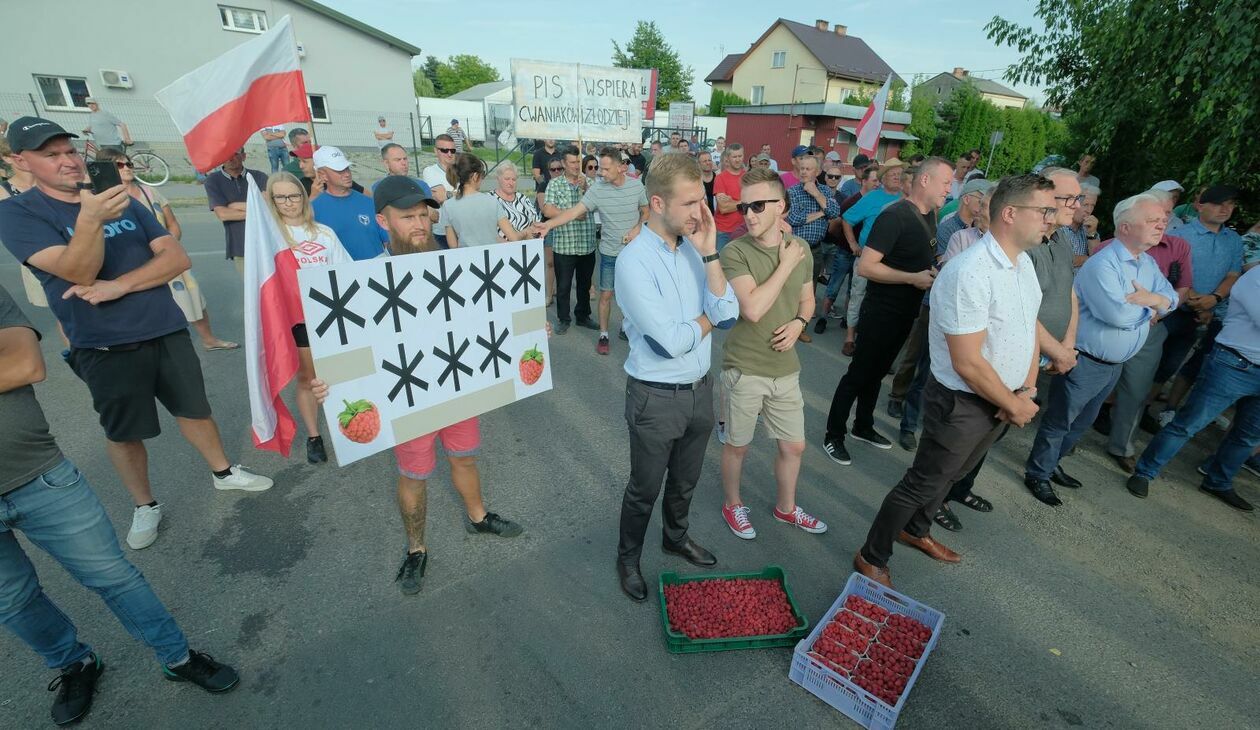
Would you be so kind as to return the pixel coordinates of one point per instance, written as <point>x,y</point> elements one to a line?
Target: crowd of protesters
<point>994,303</point>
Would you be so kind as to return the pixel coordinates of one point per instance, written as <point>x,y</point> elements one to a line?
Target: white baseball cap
<point>332,158</point>
<point>1167,186</point>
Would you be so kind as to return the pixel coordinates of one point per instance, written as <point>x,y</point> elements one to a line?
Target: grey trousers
<point>1136,378</point>
<point>958,429</point>
<point>669,432</point>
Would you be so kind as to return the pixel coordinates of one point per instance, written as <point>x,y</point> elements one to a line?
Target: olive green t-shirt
<point>748,343</point>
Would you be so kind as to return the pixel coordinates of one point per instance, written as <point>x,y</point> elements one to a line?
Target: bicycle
<point>148,165</point>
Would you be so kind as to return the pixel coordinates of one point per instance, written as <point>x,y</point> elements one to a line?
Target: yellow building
<point>797,63</point>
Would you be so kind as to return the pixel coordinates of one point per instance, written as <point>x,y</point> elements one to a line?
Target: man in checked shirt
<point>810,206</point>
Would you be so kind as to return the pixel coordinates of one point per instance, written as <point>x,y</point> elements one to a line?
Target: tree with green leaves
<point>1153,89</point>
<point>422,84</point>
<point>430,69</point>
<point>648,49</point>
<point>897,96</point>
<point>922,125</point>
<point>464,71</point>
<point>719,100</point>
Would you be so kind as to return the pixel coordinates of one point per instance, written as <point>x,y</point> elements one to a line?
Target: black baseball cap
<point>31,133</point>
<point>402,192</point>
<point>1215,194</point>
<point>861,161</point>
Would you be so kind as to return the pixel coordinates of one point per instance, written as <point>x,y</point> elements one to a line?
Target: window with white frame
<point>318,104</point>
<point>779,59</point>
<point>64,93</point>
<point>244,20</point>
<point>758,94</point>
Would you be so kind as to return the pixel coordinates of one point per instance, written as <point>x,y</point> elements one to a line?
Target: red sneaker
<point>801,519</point>
<point>601,347</point>
<point>737,519</point>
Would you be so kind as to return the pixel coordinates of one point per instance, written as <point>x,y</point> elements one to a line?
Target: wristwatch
<point>710,257</point>
<point>804,322</point>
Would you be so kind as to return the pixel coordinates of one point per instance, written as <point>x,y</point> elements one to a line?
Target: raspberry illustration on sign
<point>412,343</point>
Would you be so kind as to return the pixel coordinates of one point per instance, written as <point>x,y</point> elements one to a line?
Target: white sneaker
<point>1165,417</point>
<point>144,526</point>
<point>243,479</point>
<point>721,432</point>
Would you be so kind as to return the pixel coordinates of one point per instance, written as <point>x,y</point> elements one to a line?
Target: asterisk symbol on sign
<point>494,349</point>
<point>338,307</point>
<point>453,362</point>
<point>445,287</point>
<point>488,286</point>
<point>405,370</point>
<point>525,273</point>
<point>393,296</point>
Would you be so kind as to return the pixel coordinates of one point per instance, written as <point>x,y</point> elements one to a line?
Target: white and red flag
<point>272,306</point>
<point>873,121</point>
<point>217,106</point>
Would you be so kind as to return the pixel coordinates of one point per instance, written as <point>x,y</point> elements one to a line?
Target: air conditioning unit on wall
<point>115,79</point>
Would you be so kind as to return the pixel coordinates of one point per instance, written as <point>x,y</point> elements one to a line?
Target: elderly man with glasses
<point>1120,289</point>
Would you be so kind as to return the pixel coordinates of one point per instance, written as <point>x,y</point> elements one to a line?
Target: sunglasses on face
<point>555,169</point>
<point>833,177</point>
<point>592,167</point>
<point>120,164</point>
<point>757,206</point>
<point>294,198</point>
<point>446,150</point>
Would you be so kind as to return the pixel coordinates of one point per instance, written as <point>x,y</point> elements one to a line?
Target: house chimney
<point>841,29</point>
<point>820,24</point>
<point>960,72</point>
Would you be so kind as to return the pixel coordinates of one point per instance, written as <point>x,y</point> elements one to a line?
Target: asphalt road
<point>1106,612</point>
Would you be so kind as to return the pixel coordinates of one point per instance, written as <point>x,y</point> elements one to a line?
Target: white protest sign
<point>682,114</point>
<point>411,344</point>
<point>578,101</point>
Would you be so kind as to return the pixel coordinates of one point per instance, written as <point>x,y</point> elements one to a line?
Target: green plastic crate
<point>679,643</point>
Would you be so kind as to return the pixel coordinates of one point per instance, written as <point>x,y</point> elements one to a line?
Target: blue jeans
<point>276,156</point>
<point>841,267</point>
<point>912,406</point>
<point>1225,379</point>
<point>1074,402</point>
<point>59,512</point>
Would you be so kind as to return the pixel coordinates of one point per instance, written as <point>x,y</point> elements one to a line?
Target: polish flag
<point>873,121</point>
<point>272,306</point>
<point>218,106</point>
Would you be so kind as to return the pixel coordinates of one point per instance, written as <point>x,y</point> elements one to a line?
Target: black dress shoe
<point>1064,479</point>
<point>632,581</point>
<point>1229,497</point>
<point>692,553</point>
<point>1042,490</point>
<point>1138,486</point>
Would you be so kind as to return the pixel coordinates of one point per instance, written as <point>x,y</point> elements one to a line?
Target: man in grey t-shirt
<point>1056,321</point>
<point>622,205</point>
<point>50,502</point>
<point>108,129</point>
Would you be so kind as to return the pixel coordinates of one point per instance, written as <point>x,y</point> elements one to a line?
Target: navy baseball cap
<point>31,133</point>
<point>799,150</point>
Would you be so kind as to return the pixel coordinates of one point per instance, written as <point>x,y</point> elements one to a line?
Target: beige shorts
<point>777,400</point>
<point>187,294</point>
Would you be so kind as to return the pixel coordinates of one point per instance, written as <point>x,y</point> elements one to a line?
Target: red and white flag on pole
<point>272,306</point>
<point>218,106</point>
<point>873,121</point>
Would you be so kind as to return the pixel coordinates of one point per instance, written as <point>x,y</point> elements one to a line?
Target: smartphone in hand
<point>104,175</point>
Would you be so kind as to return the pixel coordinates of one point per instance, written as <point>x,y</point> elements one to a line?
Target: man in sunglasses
<point>543,158</point>
<point>435,177</point>
<point>984,365</point>
<point>1121,291</point>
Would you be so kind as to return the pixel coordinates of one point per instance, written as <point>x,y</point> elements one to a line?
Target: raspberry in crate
<point>836,654</point>
<point>861,606</point>
<point>849,639</point>
<point>891,659</point>
<point>880,681</point>
<point>856,623</point>
<point>901,641</point>
<point>710,609</point>
<point>909,626</point>
<point>828,664</point>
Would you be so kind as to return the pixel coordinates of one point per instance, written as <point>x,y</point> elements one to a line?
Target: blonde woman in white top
<point>313,245</point>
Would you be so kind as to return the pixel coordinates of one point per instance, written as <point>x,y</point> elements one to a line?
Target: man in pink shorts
<point>402,209</point>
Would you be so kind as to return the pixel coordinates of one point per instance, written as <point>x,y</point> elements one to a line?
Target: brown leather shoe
<point>879,575</point>
<point>804,338</point>
<point>1127,464</point>
<point>929,547</point>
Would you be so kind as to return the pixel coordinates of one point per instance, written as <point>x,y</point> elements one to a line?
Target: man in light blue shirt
<point>672,294</point>
<point>1230,376</point>
<point>1121,290</point>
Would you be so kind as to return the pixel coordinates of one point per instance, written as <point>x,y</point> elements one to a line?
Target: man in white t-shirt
<point>435,177</point>
<point>983,339</point>
<point>383,134</point>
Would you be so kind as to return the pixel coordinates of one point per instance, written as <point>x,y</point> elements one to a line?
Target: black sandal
<point>978,503</point>
<point>946,518</point>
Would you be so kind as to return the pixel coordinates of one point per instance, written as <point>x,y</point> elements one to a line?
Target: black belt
<point>1238,354</point>
<point>1098,360</point>
<point>672,386</point>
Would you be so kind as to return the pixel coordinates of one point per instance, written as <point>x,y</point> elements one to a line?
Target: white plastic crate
<point>836,690</point>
